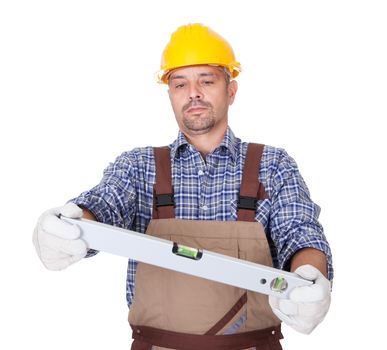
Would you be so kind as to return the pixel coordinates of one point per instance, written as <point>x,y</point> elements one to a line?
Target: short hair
<point>227,75</point>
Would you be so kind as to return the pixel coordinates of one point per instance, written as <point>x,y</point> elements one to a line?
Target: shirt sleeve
<point>294,216</point>
<point>113,200</point>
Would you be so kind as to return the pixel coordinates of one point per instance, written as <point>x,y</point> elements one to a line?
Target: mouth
<point>196,109</point>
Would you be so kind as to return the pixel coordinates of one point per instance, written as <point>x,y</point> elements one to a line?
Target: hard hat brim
<point>163,75</point>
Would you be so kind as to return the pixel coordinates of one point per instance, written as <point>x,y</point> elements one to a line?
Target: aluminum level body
<point>206,264</point>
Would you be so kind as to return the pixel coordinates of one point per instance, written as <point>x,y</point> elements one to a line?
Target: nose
<point>195,92</point>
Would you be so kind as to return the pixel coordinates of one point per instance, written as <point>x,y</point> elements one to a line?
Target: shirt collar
<point>229,143</point>
<point>180,143</point>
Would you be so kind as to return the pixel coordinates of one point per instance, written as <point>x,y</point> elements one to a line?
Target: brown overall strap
<point>163,201</point>
<point>251,188</point>
<point>144,337</point>
<point>228,316</point>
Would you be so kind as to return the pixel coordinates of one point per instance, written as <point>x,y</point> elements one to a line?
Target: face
<point>200,98</point>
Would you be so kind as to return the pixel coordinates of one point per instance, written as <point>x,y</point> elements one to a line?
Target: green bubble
<point>187,251</point>
<point>279,284</point>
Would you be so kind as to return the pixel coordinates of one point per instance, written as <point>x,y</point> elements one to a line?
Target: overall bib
<point>173,310</point>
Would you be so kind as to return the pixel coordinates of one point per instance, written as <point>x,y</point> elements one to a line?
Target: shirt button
<point>204,207</point>
<point>200,172</point>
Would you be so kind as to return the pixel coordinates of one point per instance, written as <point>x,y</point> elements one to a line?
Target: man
<point>209,190</point>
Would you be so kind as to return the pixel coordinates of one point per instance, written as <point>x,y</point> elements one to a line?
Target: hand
<point>306,306</point>
<point>57,242</point>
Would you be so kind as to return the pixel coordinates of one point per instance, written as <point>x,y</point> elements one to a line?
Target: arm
<point>58,244</point>
<point>113,200</point>
<point>293,225</point>
<point>87,214</point>
<point>301,246</point>
<point>310,256</point>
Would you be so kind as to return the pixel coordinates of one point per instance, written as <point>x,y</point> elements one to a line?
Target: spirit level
<point>201,263</point>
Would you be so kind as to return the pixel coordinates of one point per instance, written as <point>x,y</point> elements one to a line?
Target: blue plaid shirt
<point>208,190</point>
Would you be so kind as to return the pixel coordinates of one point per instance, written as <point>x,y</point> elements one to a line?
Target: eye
<point>208,82</point>
<point>179,86</point>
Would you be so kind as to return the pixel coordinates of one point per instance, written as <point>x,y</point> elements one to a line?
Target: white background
<point>77,88</point>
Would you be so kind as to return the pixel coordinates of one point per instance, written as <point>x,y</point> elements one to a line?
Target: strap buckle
<point>248,203</point>
<point>165,199</point>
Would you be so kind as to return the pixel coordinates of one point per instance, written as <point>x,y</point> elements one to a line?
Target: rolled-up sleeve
<point>112,201</point>
<point>294,216</point>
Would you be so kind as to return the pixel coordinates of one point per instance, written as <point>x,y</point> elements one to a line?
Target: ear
<point>232,90</point>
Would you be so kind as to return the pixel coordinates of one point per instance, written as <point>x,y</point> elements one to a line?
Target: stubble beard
<point>199,123</point>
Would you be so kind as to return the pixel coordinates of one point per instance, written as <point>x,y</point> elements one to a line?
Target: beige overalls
<point>172,310</point>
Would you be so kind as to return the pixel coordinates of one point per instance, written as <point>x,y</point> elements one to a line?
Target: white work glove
<point>306,306</point>
<point>57,242</point>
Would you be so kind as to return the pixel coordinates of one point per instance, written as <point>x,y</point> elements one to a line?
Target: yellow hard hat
<point>195,44</point>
